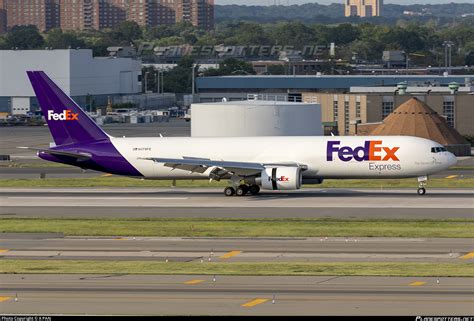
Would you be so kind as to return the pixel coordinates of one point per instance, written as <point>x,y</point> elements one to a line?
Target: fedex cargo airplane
<point>248,163</point>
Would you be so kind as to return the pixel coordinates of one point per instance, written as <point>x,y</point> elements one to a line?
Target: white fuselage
<point>388,156</point>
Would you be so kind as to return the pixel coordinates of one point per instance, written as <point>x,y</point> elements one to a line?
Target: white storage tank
<point>255,118</point>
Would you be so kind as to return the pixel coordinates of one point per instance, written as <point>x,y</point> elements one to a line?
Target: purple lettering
<point>331,148</point>
<point>345,151</point>
<point>357,155</point>
<point>366,150</point>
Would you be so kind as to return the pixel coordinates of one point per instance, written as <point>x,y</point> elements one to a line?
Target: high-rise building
<point>44,14</point>
<point>3,17</point>
<point>363,8</point>
<point>102,14</point>
<point>91,14</point>
<point>165,12</point>
<point>198,12</point>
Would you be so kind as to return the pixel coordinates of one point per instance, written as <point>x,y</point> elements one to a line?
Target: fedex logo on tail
<point>372,150</point>
<point>65,115</point>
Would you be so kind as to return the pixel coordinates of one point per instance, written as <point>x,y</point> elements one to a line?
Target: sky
<point>285,2</point>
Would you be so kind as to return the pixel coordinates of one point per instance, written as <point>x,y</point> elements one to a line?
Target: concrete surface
<point>199,202</point>
<point>235,295</point>
<point>269,249</point>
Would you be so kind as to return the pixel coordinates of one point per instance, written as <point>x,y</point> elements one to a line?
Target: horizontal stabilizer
<point>78,156</point>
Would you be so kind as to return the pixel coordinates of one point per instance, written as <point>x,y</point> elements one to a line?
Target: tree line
<point>364,41</point>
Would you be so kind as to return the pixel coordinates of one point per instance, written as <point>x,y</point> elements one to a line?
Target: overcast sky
<point>285,2</point>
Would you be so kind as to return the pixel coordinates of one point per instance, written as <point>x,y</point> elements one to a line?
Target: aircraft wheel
<point>241,190</point>
<point>229,191</point>
<point>421,191</point>
<point>254,189</point>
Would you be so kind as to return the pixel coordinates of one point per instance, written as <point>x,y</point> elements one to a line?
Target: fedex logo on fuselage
<point>372,150</point>
<point>65,115</point>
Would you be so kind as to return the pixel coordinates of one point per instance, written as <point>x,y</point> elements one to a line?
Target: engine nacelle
<point>281,178</point>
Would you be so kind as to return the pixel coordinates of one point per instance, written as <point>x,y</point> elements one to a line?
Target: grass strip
<point>257,269</point>
<point>35,164</point>
<point>130,182</point>
<point>161,227</point>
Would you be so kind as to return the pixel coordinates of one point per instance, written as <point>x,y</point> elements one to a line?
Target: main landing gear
<point>241,190</point>
<point>421,185</point>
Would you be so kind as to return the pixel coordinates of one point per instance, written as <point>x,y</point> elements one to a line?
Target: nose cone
<point>452,160</point>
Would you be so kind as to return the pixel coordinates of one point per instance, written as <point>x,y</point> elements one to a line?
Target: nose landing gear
<point>421,185</point>
<point>421,191</point>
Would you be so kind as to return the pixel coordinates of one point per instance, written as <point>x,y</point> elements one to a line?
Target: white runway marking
<point>187,202</point>
<point>96,198</point>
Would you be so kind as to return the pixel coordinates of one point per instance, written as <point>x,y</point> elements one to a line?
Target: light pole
<point>447,62</point>
<point>146,76</point>
<point>192,85</point>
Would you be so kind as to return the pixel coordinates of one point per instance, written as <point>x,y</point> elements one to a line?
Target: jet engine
<point>281,178</point>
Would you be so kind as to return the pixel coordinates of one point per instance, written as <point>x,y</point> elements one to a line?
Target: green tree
<point>248,34</point>
<point>57,39</point>
<point>171,41</point>
<point>158,32</point>
<point>24,37</point>
<point>98,41</point>
<point>295,34</point>
<point>343,34</point>
<point>179,78</point>
<point>231,66</point>
<point>276,70</point>
<point>126,32</point>
<point>470,59</point>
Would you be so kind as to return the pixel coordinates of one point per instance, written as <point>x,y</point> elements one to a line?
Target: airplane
<point>248,163</point>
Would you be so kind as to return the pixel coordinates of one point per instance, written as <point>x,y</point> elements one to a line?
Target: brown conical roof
<point>415,118</point>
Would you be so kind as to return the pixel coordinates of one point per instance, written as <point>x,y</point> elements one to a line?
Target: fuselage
<point>323,156</point>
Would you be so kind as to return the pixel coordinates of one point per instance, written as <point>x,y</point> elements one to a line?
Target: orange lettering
<point>373,150</point>
<point>390,153</point>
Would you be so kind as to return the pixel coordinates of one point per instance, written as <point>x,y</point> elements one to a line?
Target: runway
<point>334,249</point>
<point>211,203</point>
<point>235,295</point>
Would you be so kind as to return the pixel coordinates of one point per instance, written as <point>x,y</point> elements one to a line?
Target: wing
<point>220,169</point>
<point>78,156</point>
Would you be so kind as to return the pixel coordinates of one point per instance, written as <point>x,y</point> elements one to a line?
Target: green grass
<point>466,168</point>
<point>258,269</point>
<point>130,182</point>
<point>243,227</point>
<point>35,164</point>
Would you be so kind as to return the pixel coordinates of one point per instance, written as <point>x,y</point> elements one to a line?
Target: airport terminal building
<point>88,80</point>
<point>349,100</point>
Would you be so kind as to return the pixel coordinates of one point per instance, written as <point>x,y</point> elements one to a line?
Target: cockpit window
<point>438,149</point>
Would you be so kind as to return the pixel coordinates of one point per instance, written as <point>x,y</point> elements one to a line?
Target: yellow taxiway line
<point>194,282</point>
<point>230,254</point>
<point>417,283</point>
<point>254,303</point>
<point>469,255</point>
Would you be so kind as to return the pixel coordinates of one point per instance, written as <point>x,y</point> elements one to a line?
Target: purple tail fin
<point>68,123</point>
